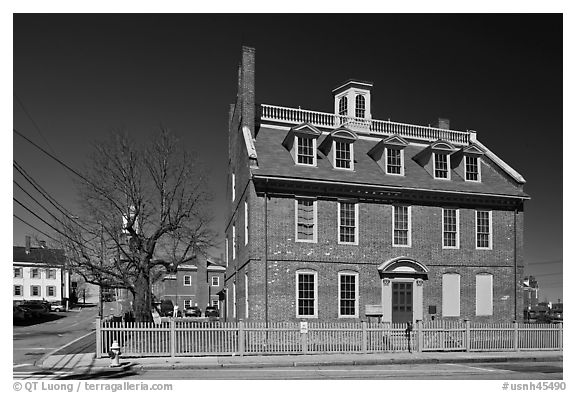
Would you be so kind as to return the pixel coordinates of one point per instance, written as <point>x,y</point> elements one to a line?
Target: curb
<point>40,362</point>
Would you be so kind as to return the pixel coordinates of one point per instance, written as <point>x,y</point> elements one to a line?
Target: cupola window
<point>360,106</point>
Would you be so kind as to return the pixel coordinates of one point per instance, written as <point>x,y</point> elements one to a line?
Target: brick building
<point>341,217</point>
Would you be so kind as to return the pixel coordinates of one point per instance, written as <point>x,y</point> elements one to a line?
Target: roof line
<point>399,188</point>
<point>498,161</point>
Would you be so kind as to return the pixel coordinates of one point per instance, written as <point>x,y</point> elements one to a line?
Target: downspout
<point>515,266</point>
<point>266,254</point>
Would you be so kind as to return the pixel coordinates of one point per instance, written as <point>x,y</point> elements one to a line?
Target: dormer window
<point>342,155</point>
<point>441,165</point>
<point>394,161</point>
<point>360,106</point>
<point>389,155</point>
<point>472,172</point>
<point>306,150</point>
<point>301,142</point>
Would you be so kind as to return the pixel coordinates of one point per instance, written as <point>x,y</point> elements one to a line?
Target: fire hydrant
<point>114,354</point>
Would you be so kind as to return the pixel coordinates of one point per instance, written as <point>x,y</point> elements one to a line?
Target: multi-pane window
<point>360,106</point>
<point>347,225</point>
<point>343,106</point>
<point>34,273</point>
<point>18,290</point>
<point>187,303</point>
<point>401,225</point>
<point>483,229</point>
<point>51,274</point>
<point>305,220</point>
<point>471,168</point>
<point>343,154</point>
<point>441,166</point>
<point>233,241</point>
<point>305,150</point>
<point>51,290</point>
<point>215,303</point>
<point>227,251</point>
<point>245,222</point>
<point>450,228</point>
<point>393,161</point>
<point>17,272</point>
<point>35,290</point>
<point>187,281</point>
<point>306,294</point>
<point>215,281</point>
<point>348,295</point>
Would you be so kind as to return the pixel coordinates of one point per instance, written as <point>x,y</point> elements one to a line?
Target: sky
<point>76,77</point>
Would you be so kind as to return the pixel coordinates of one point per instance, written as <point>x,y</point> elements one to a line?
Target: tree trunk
<point>142,298</point>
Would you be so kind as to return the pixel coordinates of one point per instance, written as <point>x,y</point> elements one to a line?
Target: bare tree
<point>144,208</point>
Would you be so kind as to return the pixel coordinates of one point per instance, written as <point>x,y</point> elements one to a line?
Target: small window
<point>343,107</point>
<point>17,272</point>
<point>35,290</point>
<point>34,273</point>
<point>51,291</point>
<point>348,295</point>
<point>306,294</point>
<point>484,229</point>
<point>306,216</point>
<point>450,228</point>
<point>343,155</point>
<point>451,295</point>
<point>18,290</point>
<point>360,106</point>
<point>401,226</point>
<point>441,166</point>
<point>215,281</point>
<point>484,294</point>
<point>187,281</point>
<point>187,303</point>
<point>347,223</point>
<point>215,303</point>
<point>306,150</point>
<point>394,161</point>
<point>472,168</point>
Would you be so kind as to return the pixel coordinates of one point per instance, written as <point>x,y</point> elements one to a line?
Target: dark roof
<point>275,160</point>
<point>48,256</point>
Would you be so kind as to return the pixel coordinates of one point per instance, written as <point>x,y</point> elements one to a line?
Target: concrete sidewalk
<point>87,362</point>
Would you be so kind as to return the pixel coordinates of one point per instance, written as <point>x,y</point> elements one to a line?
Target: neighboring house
<point>530,292</point>
<point>341,217</point>
<point>39,273</point>
<point>195,283</point>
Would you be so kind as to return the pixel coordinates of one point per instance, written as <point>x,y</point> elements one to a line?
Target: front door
<point>401,302</point>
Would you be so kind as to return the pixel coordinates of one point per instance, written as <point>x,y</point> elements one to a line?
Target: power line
<point>32,120</point>
<point>36,229</point>
<point>39,204</point>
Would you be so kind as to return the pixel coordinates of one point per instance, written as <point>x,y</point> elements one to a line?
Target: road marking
<point>476,368</point>
<point>22,365</point>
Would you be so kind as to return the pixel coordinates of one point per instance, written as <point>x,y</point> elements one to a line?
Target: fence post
<point>516,338</point>
<point>467,336</point>
<point>364,337</point>
<point>241,337</point>
<point>172,337</point>
<point>98,338</point>
<point>560,336</point>
<point>304,336</point>
<point>420,332</point>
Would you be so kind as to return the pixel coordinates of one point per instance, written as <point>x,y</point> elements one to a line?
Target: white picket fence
<point>190,338</point>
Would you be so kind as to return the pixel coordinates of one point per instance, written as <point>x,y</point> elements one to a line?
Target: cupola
<point>352,104</point>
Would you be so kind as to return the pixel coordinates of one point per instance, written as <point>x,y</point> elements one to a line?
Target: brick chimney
<point>248,87</point>
<point>443,124</point>
<point>27,243</point>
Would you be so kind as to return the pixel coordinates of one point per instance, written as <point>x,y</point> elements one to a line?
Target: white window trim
<point>447,163</point>
<point>233,300</point>
<point>184,281</point>
<point>245,223</point>
<point>444,313</point>
<point>351,144</point>
<point>246,303</point>
<point>306,271</point>
<point>490,234</point>
<point>233,241</point>
<point>187,301</point>
<point>457,230</point>
<point>356,221</point>
<point>20,272</point>
<point>227,251</point>
<point>217,281</point>
<point>401,162</point>
<point>227,303</point>
<point>409,227</point>
<point>315,234</point>
<point>356,294</point>
<point>479,170</point>
<point>314,158</point>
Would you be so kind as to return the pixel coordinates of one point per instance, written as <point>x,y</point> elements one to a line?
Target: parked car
<point>556,312</point>
<point>166,308</point>
<point>20,314</point>
<point>211,311</point>
<point>57,306</point>
<point>37,308</point>
<point>192,311</point>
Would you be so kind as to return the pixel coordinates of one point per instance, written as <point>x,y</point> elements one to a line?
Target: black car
<point>36,309</point>
<point>192,311</point>
<point>211,311</point>
<point>166,308</point>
